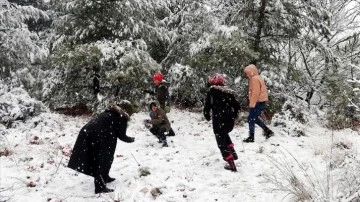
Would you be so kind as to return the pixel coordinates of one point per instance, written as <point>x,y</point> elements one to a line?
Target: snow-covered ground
<point>190,169</point>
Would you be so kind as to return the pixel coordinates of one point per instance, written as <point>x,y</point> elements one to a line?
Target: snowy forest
<point>307,51</point>
<point>74,56</point>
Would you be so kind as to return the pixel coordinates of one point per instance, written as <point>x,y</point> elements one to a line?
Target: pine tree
<point>343,44</point>
<point>20,47</point>
<point>22,51</point>
<point>108,39</point>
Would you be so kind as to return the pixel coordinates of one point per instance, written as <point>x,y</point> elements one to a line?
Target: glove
<point>131,139</point>
<point>208,118</point>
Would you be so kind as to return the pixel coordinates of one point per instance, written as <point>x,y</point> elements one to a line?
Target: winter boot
<point>268,133</point>
<point>108,179</point>
<point>164,143</point>
<point>103,190</point>
<point>249,139</point>
<point>231,166</point>
<point>232,151</point>
<point>100,186</point>
<point>171,132</point>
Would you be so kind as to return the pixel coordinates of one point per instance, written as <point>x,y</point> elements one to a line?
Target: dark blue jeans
<point>253,117</point>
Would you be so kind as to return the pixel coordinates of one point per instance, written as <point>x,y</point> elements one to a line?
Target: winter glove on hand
<point>147,124</point>
<point>207,117</point>
<point>131,139</point>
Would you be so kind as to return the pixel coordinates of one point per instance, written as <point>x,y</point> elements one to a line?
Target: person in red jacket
<point>258,97</point>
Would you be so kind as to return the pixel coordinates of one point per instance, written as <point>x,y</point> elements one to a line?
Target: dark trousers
<point>158,132</point>
<point>101,174</point>
<point>162,104</point>
<point>99,180</point>
<point>253,117</point>
<point>223,140</point>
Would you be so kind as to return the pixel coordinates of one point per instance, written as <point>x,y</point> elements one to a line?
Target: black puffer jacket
<point>225,108</point>
<point>161,94</point>
<point>96,143</point>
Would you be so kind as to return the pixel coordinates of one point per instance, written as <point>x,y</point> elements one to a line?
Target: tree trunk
<point>260,25</point>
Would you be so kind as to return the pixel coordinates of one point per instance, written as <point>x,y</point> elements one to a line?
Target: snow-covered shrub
<point>20,47</point>
<point>300,187</point>
<point>339,182</point>
<point>292,118</point>
<point>276,83</point>
<point>185,86</point>
<point>339,113</point>
<point>115,53</point>
<point>339,93</point>
<point>221,54</point>
<point>122,71</point>
<point>4,148</point>
<point>16,104</point>
<point>348,180</point>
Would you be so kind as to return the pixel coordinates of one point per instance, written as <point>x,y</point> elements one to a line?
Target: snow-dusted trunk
<point>260,25</point>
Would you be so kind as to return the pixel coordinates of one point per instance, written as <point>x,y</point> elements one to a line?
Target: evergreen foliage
<point>187,88</point>
<point>13,107</point>
<point>23,53</point>
<point>107,39</point>
<point>95,51</point>
<point>20,48</point>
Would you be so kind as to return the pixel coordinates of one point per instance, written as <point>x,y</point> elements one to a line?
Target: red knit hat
<point>217,79</point>
<point>158,77</point>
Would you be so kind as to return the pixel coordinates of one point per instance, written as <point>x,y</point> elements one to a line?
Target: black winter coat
<point>162,94</point>
<point>95,146</point>
<point>225,108</point>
